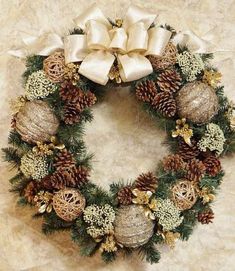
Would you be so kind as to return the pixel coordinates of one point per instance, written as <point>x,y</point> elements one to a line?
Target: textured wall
<point>123,138</point>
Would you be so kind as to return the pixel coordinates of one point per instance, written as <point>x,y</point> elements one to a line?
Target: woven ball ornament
<point>131,227</point>
<point>184,194</point>
<point>197,102</point>
<point>68,204</point>
<point>36,121</point>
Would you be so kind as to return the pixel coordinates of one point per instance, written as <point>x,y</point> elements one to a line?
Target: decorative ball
<point>54,67</point>
<point>68,204</point>
<point>184,195</point>
<point>197,102</point>
<point>36,122</point>
<point>38,86</point>
<point>131,227</point>
<point>34,166</point>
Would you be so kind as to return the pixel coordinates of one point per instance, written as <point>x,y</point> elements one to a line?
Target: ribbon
<point>101,44</point>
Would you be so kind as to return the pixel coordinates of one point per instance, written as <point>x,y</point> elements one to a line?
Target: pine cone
<point>82,175</point>
<point>165,103</point>
<point>71,113</point>
<point>86,100</point>
<point>195,170</point>
<point>213,165</point>
<point>64,159</point>
<point>146,182</point>
<point>173,163</point>
<point>68,92</point>
<point>206,217</point>
<point>125,195</point>
<point>188,152</point>
<point>169,80</point>
<point>31,190</point>
<point>146,91</point>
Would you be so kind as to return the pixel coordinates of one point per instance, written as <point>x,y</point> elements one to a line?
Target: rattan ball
<point>131,226</point>
<point>54,67</point>
<point>184,195</point>
<point>36,122</point>
<point>68,204</point>
<point>197,102</point>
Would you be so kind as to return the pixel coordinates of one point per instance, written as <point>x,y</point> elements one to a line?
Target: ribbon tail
<point>96,66</point>
<point>134,66</point>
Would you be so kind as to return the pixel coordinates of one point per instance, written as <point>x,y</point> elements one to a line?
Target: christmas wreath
<point>179,89</point>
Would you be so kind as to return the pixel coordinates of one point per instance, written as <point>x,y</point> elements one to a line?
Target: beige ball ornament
<point>184,195</point>
<point>197,102</point>
<point>68,204</point>
<point>131,226</point>
<point>36,122</point>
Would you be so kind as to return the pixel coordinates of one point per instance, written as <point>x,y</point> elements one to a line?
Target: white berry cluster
<point>38,86</point>
<point>100,219</point>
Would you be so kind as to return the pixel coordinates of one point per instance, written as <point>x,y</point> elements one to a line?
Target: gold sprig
<point>71,72</point>
<point>43,201</point>
<point>47,149</point>
<point>17,104</point>
<point>212,78</point>
<point>170,238</point>
<point>114,74</point>
<point>109,245</point>
<point>206,195</point>
<point>183,130</point>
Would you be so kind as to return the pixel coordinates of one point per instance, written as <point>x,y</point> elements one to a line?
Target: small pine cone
<point>188,152</point>
<point>195,170</point>
<point>146,182</point>
<point>125,195</point>
<point>86,100</point>
<point>206,217</point>
<point>64,159</point>
<point>68,92</point>
<point>165,103</point>
<point>213,165</point>
<point>173,162</point>
<point>146,91</point>
<point>71,113</point>
<point>31,190</point>
<point>169,80</point>
<point>81,175</point>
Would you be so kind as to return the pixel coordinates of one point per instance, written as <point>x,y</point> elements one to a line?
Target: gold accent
<point>109,245</point>
<point>71,72</point>
<point>47,149</point>
<point>206,195</point>
<point>170,238</point>
<point>17,104</point>
<point>183,130</point>
<point>212,78</point>
<point>43,201</point>
<point>118,23</point>
<point>114,74</point>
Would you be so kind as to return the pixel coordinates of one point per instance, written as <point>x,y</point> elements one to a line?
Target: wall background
<point>125,144</point>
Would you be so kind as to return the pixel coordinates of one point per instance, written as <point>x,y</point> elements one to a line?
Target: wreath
<point>179,89</point>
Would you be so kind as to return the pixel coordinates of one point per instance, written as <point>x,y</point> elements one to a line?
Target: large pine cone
<point>71,113</point>
<point>64,159</point>
<point>68,92</point>
<point>213,165</point>
<point>146,91</point>
<point>31,190</point>
<point>169,80</point>
<point>125,195</point>
<point>165,103</point>
<point>195,170</point>
<point>188,152</point>
<point>173,162</point>
<point>86,100</point>
<point>206,217</point>
<point>146,182</point>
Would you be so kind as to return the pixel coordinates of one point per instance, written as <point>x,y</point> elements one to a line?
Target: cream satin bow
<point>101,44</point>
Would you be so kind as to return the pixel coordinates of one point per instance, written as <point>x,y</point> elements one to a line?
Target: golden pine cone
<point>206,217</point>
<point>188,152</point>
<point>125,195</point>
<point>169,80</point>
<point>64,159</point>
<point>68,92</point>
<point>146,182</point>
<point>71,113</point>
<point>195,170</point>
<point>165,103</point>
<point>173,162</point>
<point>213,165</point>
<point>86,100</point>
<point>31,190</point>
<point>146,91</point>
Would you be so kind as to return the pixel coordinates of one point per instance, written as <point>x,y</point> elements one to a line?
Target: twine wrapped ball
<point>184,195</point>
<point>197,102</point>
<point>36,122</point>
<point>68,204</point>
<point>131,226</point>
<point>53,67</point>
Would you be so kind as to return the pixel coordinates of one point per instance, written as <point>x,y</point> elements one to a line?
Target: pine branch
<point>212,182</point>
<point>86,115</point>
<point>12,156</point>
<point>70,134</point>
<point>149,252</point>
<point>108,257</point>
<point>33,64</point>
<point>17,178</point>
<point>15,140</point>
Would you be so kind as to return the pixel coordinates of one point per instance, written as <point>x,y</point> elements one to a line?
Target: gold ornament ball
<point>53,67</point>
<point>68,204</point>
<point>131,226</point>
<point>36,122</point>
<point>184,194</point>
<point>197,102</point>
